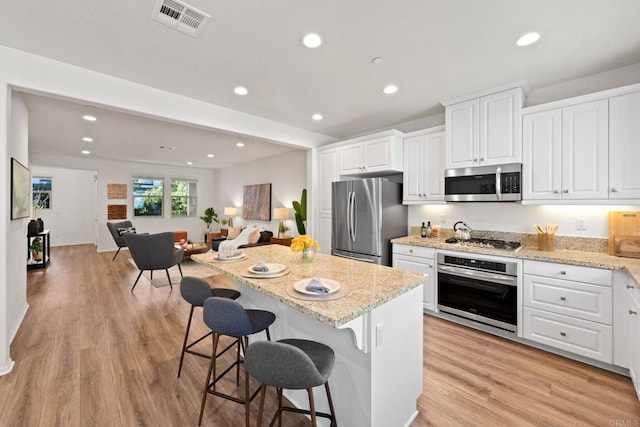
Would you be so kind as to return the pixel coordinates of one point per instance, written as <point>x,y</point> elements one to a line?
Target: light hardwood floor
<point>91,353</point>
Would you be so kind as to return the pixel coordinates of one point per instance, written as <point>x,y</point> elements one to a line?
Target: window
<point>184,197</point>
<point>147,196</point>
<point>41,192</point>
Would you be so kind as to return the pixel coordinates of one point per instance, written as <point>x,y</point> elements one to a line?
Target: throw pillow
<point>233,232</point>
<point>254,236</point>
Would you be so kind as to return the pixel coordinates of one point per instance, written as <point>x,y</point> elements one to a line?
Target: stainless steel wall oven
<point>480,289</point>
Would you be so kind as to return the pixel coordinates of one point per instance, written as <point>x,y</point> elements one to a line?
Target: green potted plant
<point>300,207</point>
<point>209,216</point>
<point>282,229</point>
<point>36,248</point>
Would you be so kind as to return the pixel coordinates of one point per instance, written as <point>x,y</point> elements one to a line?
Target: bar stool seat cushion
<point>195,291</point>
<point>228,317</point>
<point>293,364</point>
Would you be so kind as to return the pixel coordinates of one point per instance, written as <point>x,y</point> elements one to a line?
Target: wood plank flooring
<point>91,353</point>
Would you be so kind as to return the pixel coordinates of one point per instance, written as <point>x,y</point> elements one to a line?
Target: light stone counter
<point>375,331</point>
<point>371,285</point>
<point>573,257</point>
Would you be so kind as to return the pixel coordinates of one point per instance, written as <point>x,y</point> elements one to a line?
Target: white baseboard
<point>15,328</point>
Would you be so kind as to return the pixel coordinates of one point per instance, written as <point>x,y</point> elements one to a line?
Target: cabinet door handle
<point>563,298</point>
<point>556,192</point>
<point>562,272</point>
<point>564,334</point>
<point>411,250</point>
<point>633,312</point>
<point>482,159</point>
<point>614,190</point>
<point>475,160</point>
<point>565,191</point>
<point>630,286</point>
<point>430,265</point>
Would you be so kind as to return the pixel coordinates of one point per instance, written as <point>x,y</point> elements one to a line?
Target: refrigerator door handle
<point>349,214</point>
<point>352,196</point>
<point>354,215</point>
<point>355,258</point>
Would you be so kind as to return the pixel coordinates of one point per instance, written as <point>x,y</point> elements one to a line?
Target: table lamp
<point>281,214</point>
<point>230,211</point>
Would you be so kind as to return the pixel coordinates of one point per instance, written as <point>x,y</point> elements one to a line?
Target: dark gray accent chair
<point>292,364</point>
<point>153,252</point>
<point>195,291</point>
<point>118,237</point>
<point>227,317</point>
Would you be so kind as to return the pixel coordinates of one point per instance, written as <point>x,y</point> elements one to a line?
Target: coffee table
<point>194,248</point>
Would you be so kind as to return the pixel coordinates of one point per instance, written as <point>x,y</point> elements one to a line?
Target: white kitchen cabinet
<point>566,153</point>
<point>327,167</point>
<point>570,308</point>
<point>634,362</point>
<point>623,286</point>
<point>419,260</point>
<point>423,178</point>
<point>624,146</point>
<point>485,130</point>
<point>379,153</point>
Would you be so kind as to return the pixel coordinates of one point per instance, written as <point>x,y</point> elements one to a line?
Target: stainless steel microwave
<point>500,183</point>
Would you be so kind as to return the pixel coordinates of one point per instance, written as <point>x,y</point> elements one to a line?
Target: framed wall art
<point>256,202</point>
<point>20,190</point>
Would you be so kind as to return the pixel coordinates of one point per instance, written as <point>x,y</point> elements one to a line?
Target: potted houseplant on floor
<point>209,216</point>
<point>36,248</point>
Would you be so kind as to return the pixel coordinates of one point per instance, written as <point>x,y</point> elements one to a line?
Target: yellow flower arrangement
<point>302,244</point>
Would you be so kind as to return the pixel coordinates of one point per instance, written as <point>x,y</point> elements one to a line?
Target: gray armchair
<point>118,230</point>
<point>153,252</point>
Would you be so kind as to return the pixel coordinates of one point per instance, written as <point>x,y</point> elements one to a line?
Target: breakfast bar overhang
<point>375,330</point>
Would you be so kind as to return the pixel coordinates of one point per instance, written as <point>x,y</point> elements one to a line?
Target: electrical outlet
<point>580,225</point>
<point>379,334</point>
<point>443,219</point>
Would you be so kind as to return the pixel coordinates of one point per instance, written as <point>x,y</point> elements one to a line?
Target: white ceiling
<point>432,49</point>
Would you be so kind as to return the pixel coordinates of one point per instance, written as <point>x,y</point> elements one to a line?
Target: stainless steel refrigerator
<point>366,214</point>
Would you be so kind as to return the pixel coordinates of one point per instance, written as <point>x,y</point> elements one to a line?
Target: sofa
<point>265,239</point>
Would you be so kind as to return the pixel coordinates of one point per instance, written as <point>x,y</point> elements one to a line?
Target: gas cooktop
<point>486,243</point>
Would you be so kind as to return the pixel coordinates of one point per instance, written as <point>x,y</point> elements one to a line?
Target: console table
<point>284,241</point>
<point>46,250</point>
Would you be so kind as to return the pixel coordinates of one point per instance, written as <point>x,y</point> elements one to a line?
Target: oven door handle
<point>481,275</point>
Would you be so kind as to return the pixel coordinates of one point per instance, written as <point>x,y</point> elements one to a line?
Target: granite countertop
<point>371,285</point>
<point>573,257</point>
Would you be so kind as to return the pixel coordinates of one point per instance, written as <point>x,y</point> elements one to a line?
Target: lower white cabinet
<point>570,308</point>
<point>419,260</point>
<point>634,313</point>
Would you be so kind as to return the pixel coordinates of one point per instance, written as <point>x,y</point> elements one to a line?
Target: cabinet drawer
<point>577,336</point>
<point>417,251</point>
<point>576,273</point>
<point>581,300</point>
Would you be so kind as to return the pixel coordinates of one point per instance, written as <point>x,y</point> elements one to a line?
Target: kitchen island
<point>375,330</point>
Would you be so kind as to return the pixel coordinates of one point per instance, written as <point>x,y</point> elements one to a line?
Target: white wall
<point>111,172</point>
<point>72,217</point>
<point>518,218</point>
<point>287,174</point>
<point>13,297</point>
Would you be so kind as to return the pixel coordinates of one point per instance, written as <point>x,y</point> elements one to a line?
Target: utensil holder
<point>546,242</point>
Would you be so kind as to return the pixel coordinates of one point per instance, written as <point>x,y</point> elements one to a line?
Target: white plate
<point>332,285</point>
<point>236,257</point>
<point>273,269</point>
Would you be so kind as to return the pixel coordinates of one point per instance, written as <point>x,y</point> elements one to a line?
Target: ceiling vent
<point>180,16</point>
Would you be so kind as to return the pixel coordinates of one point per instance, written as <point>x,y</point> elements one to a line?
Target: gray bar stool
<point>195,291</point>
<point>228,317</point>
<point>292,364</point>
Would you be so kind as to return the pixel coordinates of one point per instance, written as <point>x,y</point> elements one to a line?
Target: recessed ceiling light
<point>390,89</point>
<point>240,90</point>
<point>89,118</point>
<point>377,60</point>
<point>527,39</point>
<point>86,152</point>
<point>87,139</point>
<point>317,116</point>
<point>312,40</point>
<point>240,144</point>
<point>189,163</point>
<point>209,155</point>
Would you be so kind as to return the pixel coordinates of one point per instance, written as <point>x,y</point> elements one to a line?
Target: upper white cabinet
<point>566,153</point>
<point>624,146</point>
<point>423,179</point>
<point>378,153</point>
<point>485,129</point>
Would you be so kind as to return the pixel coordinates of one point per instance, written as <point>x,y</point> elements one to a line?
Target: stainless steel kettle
<point>462,230</point>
